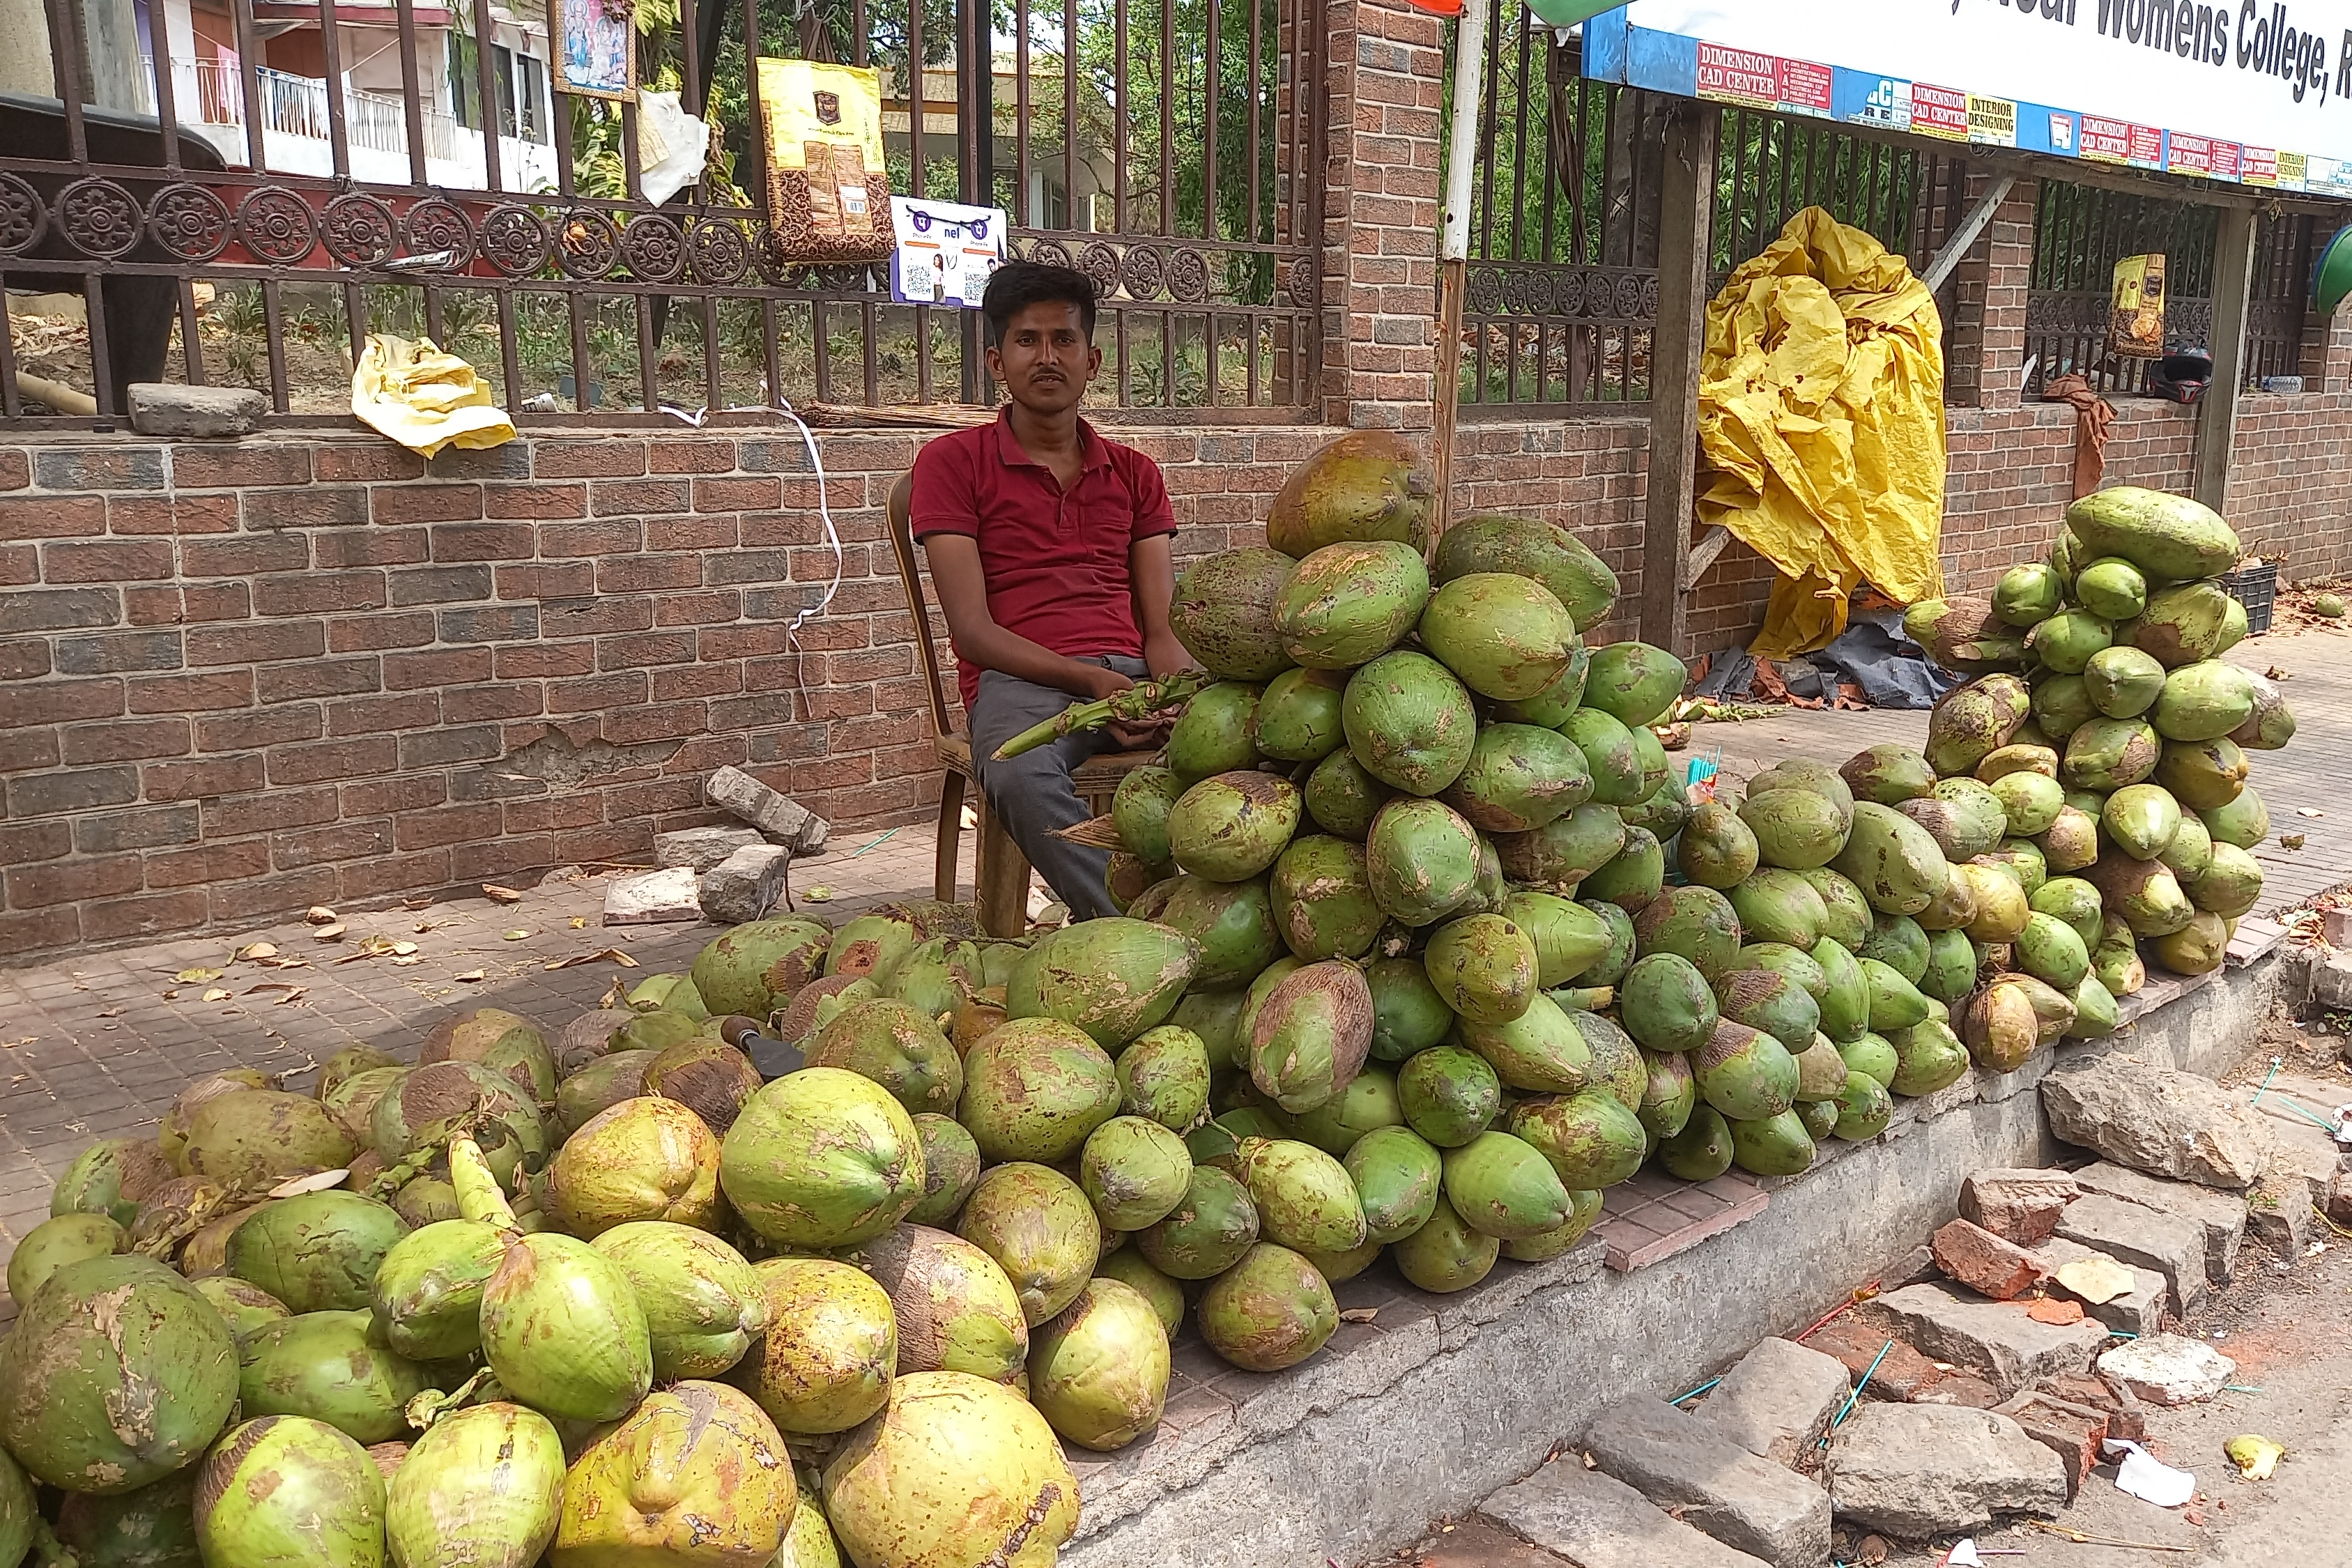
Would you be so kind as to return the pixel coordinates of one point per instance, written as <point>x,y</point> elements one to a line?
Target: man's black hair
<point>1017,285</point>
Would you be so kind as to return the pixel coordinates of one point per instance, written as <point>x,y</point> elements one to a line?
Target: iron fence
<point>1562,291</point>
<point>2278,307</point>
<point>1770,167</point>
<point>2079,232</point>
<point>295,182</point>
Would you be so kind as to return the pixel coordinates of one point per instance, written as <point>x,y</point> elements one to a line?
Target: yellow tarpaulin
<point>425,397</point>
<point>1821,425</point>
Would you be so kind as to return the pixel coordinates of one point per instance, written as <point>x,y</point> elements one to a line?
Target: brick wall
<point>239,680</point>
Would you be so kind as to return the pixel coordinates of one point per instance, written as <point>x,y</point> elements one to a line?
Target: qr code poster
<point>946,252</point>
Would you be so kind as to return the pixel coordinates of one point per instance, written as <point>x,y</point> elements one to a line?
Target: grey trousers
<point>1032,794</point>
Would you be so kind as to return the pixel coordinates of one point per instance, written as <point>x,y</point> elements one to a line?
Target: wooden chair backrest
<point>911,577</point>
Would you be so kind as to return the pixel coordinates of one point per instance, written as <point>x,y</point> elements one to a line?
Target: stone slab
<point>2139,1310</point>
<point>747,885</point>
<point>1594,1520</point>
<point>2073,1432</point>
<point>2019,1206</point>
<point>168,408</point>
<point>2278,1212</point>
<point>2169,1369</point>
<point>2174,1124</point>
<point>701,848</point>
<point>1745,1501</point>
<point>2145,1237</point>
<point>1777,1401</point>
<point>1996,1337</point>
<point>653,897</point>
<point>1916,1470</point>
<point>783,819</point>
<point>2223,1214</point>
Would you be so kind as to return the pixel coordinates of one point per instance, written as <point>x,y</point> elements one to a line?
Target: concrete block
<point>2223,1214</point>
<point>2172,1245</point>
<point>2138,1310</point>
<point>164,408</point>
<point>1984,1262</point>
<point>2169,1123</point>
<point>1743,1501</point>
<point>2018,1205</point>
<point>653,897</point>
<point>701,848</point>
<point>784,820</point>
<point>2169,1369</point>
<point>1994,1337</point>
<point>1594,1520</point>
<point>1777,1401</point>
<point>2278,1212</point>
<point>2073,1432</point>
<point>1918,1470</point>
<point>746,885</point>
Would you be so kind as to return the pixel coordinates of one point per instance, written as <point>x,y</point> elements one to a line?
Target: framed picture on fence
<point>596,48</point>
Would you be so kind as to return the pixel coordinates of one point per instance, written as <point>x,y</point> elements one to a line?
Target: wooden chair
<point>1001,874</point>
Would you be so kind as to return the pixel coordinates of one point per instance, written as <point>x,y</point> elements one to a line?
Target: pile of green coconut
<point>2103,706</point>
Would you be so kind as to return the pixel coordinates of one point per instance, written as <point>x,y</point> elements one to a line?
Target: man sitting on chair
<point>1048,546</point>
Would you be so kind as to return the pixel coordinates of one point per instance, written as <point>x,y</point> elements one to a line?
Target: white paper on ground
<point>1963,1554</point>
<point>2148,1478</point>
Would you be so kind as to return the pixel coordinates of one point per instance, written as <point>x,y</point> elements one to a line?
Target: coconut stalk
<point>1135,705</point>
<point>479,1197</point>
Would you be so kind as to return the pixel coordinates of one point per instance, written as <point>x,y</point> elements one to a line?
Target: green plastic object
<point>1569,13</point>
<point>2331,279</point>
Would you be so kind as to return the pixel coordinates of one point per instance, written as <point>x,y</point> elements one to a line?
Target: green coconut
<point>1541,1051</point>
<point>424,1110</point>
<point>352,1101</point>
<point>1040,1228</point>
<point>895,1045</point>
<point>1113,978</point>
<point>1772,1003</point>
<point>111,1177</point>
<point>563,1330</point>
<point>1365,484</point>
<point>481,1486</point>
<point>1668,1004</point>
<point>754,969</point>
<point>951,1168</point>
<point>825,1361</point>
<point>1347,603</point>
<point>1409,722</point>
<point>1549,707</point>
<point>823,1158</point>
<point>2230,885</point>
<point>1745,1073</point>
<point>116,1373</point>
<point>506,1043</point>
<point>955,1470</point>
<point>955,1309</point>
<point>703,1306</point>
<point>1446,1255</point>
<point>668,993</point>
<point>1321,898</point>
<point>1342,797</point>
<point>1634,682</point>
<point>1270,1310</point>
<point>1223,613</point>
<point>696,1474</point>
<point>1590,1139</point>
<point>154,1527</point>
<point>1422,859</point>
<point>1207,1232</point>
<point>601,1084</point>
<point>243,1307</point>
<point>1519,777</point>
<point>1129,1267</point>
<point>1696,923</point>
<point>427,1295</point>
<point>1408,1015</point>
<point>871,947</point>
<point>325,1367</point>
<point>644,1159</point>
<point>1098,1371</point>
<point>1140,809</point>
<point>1212,735</point>
<point>1134,1171</point>
<point>254,1138</point>
<point>2182,624</point>
<point>1780,906</point>
<point>317,1252</point>
<point>1969,723</point>
<point>2202,701</point>
<point>1888,775</point>
<point>1398,1175</point>
<point>938,975</point>
<point>1550,554</point>
<point>1702,1150</point>
<point>2027,594</point>
<point>172,1137</point>
<point>1230,827</point>
<point>1233,925</point>
<point>1632,879</point>
<point>1566,850</point>
<point>1304,1197</point>
<point>1297,718</point>
<point>1035,1088</point>
<point>1505,635</point>
<point>2270,723</point>
<point>285,1489</point>
<point>1717,848</point>
<point>57,1242</point>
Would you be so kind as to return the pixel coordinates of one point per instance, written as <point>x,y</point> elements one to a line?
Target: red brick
<point>395,874</point>
<point>318,677</point>
<point>2075,1433</point>
<point>19,564</point>
<point>691,532</point>
<point>424,503</point>
<point>547,580</point>
<point>598,693</point>
<point>41,930</point>
<point>447,824</point>
<point>690,456</point>
<point>206,693</point>
<point>187,603</point>
<point>51,517</point>
<point>484,541</point>
<point>115,560</point>
<point>314,593</point>
<point>535,500</point>
<point>179,515</point>
<point>276,725</point>
<point>392,796</point>
<point>354,633</point>
<point>337,547</point>
<point>125,739</point>
<point>381,715</point>
<point>57,701</point>
<point>246,554</point>
<point>205,776</point>
<point>148,914</point>
<point>605,457</point>
<point>71,881</point>
<point>336,462</point>
<point>1903,1373</point>
<point>199,468</point>
<point>324,759</point>
<point>1985,1263</point>
<point>244,898</point>
<point>341,842</point>
<point>466,704</point>
<point>637,572</point>
<point>435,667</point>
<point>626,498</point>
<point>2020,1206</point>
<point>24,843</point>
<point>538,661</point>
<point>279,808</point>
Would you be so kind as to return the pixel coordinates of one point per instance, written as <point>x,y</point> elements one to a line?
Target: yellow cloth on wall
<point>1821,425</point>
<point>425,397</point>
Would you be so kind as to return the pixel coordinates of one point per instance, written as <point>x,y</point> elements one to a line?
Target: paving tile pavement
<point>99,1045</point>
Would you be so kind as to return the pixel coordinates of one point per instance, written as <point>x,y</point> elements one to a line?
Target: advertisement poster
<point>946,252</point>
<point>2257,93</point>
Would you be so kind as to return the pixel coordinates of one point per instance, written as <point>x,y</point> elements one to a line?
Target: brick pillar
<point>2327,360</point>
<point>1384,66</point>
<point>1984,343</point>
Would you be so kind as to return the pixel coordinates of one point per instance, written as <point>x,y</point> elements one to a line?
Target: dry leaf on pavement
<point>215,994</point>
<point>329,932</point>
<point>468,975</point>
<point>517,935</point>
<point>319,915</point>
<point>193,976</point>
<point>609,955</point>
<point>499,895</point>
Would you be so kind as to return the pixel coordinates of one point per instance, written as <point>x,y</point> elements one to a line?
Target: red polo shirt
<point>1055,561</point>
